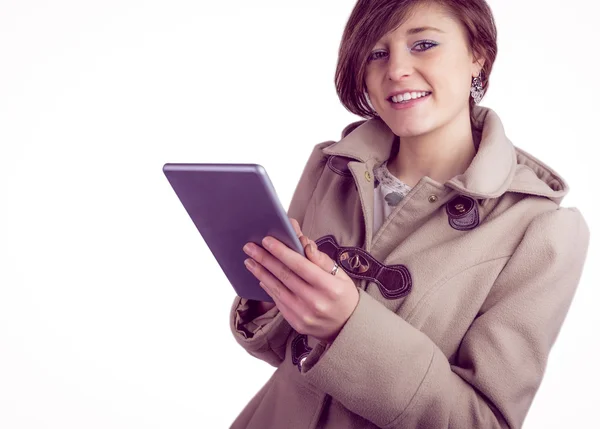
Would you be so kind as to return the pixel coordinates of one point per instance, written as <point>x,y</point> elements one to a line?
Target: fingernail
<point>268,242</point>
<point>312,248</point>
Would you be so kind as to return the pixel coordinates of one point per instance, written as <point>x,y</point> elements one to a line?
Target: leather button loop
<point>463,213</point>
<point>300,350</point>
<point>339,165</point>
<point>393,281</point>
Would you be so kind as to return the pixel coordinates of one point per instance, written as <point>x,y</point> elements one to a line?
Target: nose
<point>399,64</point>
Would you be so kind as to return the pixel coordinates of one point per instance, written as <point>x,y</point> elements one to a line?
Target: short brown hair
<point>370,20</point>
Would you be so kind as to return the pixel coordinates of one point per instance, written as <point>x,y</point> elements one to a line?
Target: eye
<point>376,55</point>
<point>424,43</point>
<point>428,44</point>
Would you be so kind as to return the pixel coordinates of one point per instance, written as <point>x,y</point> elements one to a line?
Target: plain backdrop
<point>113,312</point>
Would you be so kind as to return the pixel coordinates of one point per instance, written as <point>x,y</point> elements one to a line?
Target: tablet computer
<point>232,204</point>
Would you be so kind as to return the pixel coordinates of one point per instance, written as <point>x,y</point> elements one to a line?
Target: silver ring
<point>334,269</point>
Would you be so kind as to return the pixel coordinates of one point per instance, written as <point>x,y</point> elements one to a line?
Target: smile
<point>410,100</point>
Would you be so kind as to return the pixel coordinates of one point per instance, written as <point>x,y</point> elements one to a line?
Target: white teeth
<point>408,96</point>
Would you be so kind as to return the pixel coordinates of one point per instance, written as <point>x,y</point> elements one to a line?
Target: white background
<point>113,312</point>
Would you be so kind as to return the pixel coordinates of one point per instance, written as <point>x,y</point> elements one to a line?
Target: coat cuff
<point>355,368</point>
<point>261,335</point>
<point>247,325</point>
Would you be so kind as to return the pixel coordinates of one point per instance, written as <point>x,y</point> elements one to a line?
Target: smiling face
<point>429,52</point>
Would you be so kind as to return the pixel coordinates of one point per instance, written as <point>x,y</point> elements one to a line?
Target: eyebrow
<point>422,29</point>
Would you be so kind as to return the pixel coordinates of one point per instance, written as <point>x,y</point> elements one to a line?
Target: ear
<point>477,66</point>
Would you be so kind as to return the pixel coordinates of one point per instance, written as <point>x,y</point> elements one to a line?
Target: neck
<point>441,154</point>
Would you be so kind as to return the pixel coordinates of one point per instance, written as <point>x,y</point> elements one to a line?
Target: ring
<point>334,269</point>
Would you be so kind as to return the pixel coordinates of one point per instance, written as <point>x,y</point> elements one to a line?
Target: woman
<point>445,264</point>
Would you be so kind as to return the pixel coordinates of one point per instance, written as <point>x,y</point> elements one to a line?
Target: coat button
<point>354,262</point>
<point>432,198</point>
<point>368,176</point>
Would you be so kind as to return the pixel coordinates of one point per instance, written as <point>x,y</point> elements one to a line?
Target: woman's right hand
<point>261,307</point>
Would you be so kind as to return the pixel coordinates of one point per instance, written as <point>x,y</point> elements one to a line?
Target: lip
<point>404,91</point>
<point>408,104</point>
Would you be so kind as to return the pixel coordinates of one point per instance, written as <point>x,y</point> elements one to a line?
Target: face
<point>414,58</point>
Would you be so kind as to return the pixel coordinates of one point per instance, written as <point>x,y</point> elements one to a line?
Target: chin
<point>409,128</point>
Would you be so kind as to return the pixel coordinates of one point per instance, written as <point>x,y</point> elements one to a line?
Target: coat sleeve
<point>403,380</point>
<point>265,336</point>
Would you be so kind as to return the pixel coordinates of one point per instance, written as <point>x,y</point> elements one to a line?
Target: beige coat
<point>463,291</point>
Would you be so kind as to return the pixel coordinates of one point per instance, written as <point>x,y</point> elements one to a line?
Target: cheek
<point>450,76</point>
<point>452,86</point>
<point>372,88</point>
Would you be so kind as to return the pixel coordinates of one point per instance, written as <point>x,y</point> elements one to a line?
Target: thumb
<point>303,238</point>
<point>322,259</point>
<point>314,254</point>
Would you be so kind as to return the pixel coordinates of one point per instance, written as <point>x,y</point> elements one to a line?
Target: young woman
<point>445,265</point>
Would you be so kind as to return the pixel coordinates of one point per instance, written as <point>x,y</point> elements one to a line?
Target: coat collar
<point>497,167</point>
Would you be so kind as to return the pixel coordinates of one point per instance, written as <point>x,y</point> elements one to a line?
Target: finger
<point>312,273</point>
<point>286,310</point>
<point>323,260</point>
<point>281,278</point>
<point>304,240</point>
<point>296,226</point>
<point>274,287</point>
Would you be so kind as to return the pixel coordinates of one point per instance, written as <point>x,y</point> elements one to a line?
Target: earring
<point>477,88</point>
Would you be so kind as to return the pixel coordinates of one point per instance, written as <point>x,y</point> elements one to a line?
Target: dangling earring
<point>477,88</point>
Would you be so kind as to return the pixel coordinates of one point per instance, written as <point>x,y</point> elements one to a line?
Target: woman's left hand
<point>313,301</point>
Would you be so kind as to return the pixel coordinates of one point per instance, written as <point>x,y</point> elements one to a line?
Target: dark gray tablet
<point>232,204</point>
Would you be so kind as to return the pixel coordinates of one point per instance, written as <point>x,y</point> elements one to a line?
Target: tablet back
<point>232,204</point>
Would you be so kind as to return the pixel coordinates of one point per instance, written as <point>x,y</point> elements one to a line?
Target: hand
<point>312,300</point>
